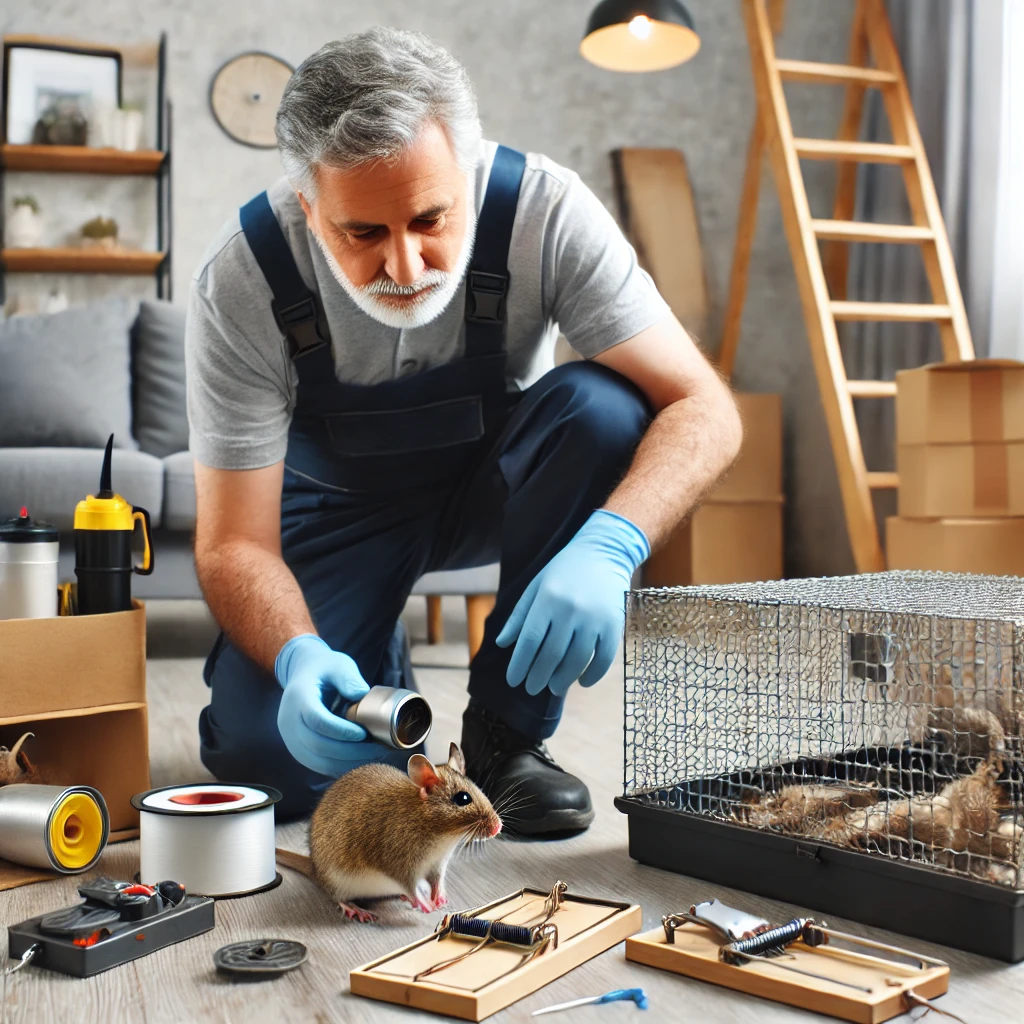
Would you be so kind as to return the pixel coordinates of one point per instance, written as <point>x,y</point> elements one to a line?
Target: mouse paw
<point>354,913</point>
<point>422,898</point>
<point>425,906</point>
<point>438,896</point>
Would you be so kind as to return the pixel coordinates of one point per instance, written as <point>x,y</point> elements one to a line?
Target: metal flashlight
<point>395,717</point>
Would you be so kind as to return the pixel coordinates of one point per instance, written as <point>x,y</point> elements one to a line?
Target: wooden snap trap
<point>802,963</point>
<point>481,961</point>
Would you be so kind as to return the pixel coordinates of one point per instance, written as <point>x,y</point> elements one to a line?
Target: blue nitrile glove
<point>569,620</point>
<point>312,675</point>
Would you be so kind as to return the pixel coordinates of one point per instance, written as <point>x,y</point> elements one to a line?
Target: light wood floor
<point>179,984</point>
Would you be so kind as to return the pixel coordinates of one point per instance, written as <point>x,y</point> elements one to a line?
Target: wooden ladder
<point>871,38</point>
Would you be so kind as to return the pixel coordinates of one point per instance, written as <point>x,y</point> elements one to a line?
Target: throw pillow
<point>65,378</point>
<point>159,421</point>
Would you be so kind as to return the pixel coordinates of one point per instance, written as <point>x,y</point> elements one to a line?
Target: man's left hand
<point>569,621</point>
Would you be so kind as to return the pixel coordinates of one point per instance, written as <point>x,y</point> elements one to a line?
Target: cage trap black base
<point>117,923</point>
<point>672,829</point>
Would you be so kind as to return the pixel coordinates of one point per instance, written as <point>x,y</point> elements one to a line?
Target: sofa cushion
<point>179,492</point>
<point>159,420</point>
<point>50,482</point>
<point>65,378</point>
<point>481,580</point>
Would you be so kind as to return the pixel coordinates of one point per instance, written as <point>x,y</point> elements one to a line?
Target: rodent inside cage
<point>880,714</point>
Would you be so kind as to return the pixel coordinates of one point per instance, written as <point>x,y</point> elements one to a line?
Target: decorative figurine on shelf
<point>100,232</point>
<point>25,228</point>
<point>55,302</point>
<point>61,124</point>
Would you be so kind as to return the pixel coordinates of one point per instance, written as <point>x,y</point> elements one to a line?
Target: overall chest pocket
<point>422,428</point>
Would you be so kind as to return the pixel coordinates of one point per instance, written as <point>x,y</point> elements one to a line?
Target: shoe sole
<point>561,820</point>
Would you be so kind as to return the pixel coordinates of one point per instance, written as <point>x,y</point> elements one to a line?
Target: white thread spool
<point>215,839</point>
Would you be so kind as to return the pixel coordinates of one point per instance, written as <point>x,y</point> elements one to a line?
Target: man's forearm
<point>254,597</point>
<point>686,450</point>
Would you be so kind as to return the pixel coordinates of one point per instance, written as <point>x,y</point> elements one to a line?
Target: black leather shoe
<point>531,793</point>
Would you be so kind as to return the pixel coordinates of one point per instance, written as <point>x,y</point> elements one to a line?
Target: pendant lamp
<point>639,35</point>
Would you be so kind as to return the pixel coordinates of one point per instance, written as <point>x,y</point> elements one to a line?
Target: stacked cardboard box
<point>960,460</point>
<point>79,684</point>
<point>736,535</point>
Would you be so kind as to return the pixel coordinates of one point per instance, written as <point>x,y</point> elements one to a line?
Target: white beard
<point>442,286</point>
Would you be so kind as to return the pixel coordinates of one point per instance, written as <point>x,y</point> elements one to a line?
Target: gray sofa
<point>70,379</point>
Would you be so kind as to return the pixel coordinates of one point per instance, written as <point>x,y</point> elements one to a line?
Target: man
<point>371,397</point>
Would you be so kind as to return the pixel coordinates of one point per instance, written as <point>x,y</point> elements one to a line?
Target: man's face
<point>397,237</point>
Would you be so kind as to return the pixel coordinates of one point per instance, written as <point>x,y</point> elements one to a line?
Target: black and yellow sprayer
<point>104,524</point>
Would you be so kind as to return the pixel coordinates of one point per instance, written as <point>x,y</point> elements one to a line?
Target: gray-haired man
<point>371,396</point>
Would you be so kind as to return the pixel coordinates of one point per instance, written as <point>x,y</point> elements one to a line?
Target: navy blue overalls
<point>446,469</point>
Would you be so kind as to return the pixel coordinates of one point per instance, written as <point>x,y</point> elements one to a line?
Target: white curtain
<point>968,95</point>
<point>995,283</point>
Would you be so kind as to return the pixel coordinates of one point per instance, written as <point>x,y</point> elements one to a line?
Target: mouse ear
<point>456,759</point>
<point>422,773</point>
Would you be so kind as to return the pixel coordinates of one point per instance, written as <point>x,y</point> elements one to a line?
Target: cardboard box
<point>736,535</point>
<point>106,748</point>
<point>989,546</point>
<point>723,542</point>
<point>961,480</point>
<point>756,474</point>
<point>976,402</point>
<point>79,684</point>
<point>78,661</point>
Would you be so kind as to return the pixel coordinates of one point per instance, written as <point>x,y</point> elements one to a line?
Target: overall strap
<point>294,305</point>
<point>488,278</point>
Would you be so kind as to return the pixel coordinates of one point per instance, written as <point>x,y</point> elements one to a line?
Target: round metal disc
<point>245,94</point>
<point>260,958</point>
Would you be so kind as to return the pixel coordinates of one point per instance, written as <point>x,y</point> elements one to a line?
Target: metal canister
<point>28,568</point>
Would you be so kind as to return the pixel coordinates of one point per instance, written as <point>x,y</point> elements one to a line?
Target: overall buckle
<point>486,294</point>
<point>300,323</point>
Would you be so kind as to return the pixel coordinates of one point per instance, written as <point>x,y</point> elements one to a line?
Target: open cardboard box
<point>79,684</point>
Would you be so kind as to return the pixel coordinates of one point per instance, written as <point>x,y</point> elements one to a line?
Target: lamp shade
<point>639,35</point>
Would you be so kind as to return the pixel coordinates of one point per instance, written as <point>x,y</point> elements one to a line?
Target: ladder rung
<point>808,71</point>
<point>839,149</point>
<point>862,231</point>
<point>871,388</point>
<point>889,311</point>
<point>883,481</point>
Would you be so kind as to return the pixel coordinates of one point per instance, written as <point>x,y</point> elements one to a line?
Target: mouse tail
<point>296,861</point>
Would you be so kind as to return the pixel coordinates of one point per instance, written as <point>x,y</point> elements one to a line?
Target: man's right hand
<point>312,675</point>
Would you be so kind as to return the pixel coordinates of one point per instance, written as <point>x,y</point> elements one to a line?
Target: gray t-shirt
<point>570,269</point>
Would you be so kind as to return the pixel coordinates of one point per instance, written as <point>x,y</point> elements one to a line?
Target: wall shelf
<point>80,160</point>
<point>81,261</point>
<point>155,163</point>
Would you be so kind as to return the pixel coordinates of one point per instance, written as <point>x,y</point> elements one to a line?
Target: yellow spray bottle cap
<point>95,513</point>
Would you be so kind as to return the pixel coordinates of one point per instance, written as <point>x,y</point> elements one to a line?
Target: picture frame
<point>50,91</point>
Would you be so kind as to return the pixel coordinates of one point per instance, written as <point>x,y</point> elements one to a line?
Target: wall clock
<point>245,94</point>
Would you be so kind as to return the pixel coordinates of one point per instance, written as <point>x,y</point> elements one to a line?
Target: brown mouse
<point>379,833</point>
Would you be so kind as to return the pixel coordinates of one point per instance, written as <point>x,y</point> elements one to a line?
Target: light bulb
<point>640,26</point>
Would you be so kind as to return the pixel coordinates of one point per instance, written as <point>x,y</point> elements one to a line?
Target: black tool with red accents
<point>118,922</point>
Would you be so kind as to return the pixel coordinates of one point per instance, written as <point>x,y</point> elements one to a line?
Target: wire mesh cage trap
<point>872,726</point>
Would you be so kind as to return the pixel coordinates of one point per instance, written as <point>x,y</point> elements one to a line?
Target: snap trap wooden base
<point>865,984</point>
<point>484,960</point>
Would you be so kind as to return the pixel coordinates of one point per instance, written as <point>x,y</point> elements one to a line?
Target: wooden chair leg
<point>435,620</point>
<point>478,607</point>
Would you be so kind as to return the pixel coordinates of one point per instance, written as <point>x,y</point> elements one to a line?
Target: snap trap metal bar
<point>533,937</point>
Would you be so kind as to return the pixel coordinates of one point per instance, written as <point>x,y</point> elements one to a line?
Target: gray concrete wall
<point>535,93</point>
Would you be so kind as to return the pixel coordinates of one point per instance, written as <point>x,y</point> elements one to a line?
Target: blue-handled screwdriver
<point>634,994</point>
